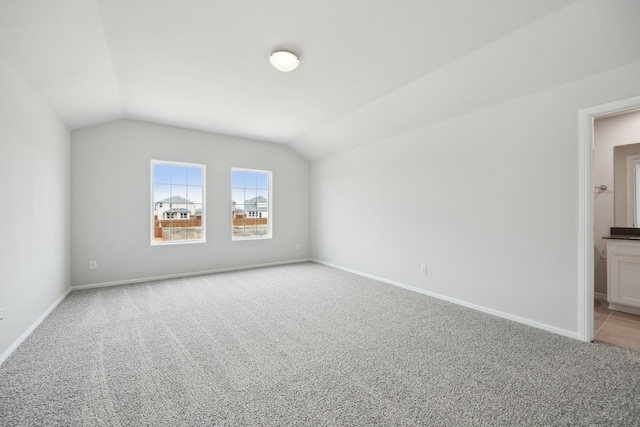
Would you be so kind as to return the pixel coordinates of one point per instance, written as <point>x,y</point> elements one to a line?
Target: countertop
<point>624,233</point>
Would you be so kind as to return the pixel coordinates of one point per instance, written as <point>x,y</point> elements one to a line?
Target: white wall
<point>34,172</point>
<point>489,201</point>
<point>110,167</point>
<point>608,132</point>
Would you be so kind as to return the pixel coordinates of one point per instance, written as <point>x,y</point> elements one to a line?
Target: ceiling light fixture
<point>284,61</point>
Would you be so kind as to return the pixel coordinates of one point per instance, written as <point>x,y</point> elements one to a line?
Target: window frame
<point>203,168</point>
<point>269,234</point>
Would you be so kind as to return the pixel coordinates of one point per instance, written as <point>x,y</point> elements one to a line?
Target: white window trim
<point>204,191</point>
<point>270,221</point>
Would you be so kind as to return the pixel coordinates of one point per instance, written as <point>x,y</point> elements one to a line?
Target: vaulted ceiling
<point>370,69</point>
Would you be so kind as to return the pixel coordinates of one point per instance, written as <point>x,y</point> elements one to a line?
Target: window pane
<point>237,179</point>
<point>194,233</point>
<point>262,228</point>
<point>178,195</point>
<point>166,234</point>
<point>250,228</point>
<point>250,180</point>
<point>194,194</point>
<point>263,181</point>
<point>237,228</point>
<point>166,231</point>
<point>179,175</point>
<point>197,209</point>
<point>157,229</point>
<point>194,223</point>
<point>161,174</point>
<point>194,176</point>
<point>250,194</point>
<point>161,193</point>
<point>178,229</point>
<point>237,195</point>
<point>264,194</point>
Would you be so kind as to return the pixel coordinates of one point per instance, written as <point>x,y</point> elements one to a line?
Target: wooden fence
<point>158,224</point>
<point>194,221</point>
<point>238,222</point>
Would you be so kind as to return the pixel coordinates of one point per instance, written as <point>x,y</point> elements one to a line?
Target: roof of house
<point>175,199</point>
<point>258,199</point>
<point>259,204</point>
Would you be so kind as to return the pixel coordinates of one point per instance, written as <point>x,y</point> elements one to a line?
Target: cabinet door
<point>624,279</point>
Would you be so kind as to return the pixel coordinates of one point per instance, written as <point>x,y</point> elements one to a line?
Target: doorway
<point>586,213</point>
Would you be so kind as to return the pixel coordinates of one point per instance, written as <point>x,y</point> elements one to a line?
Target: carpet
<point>303,345</point>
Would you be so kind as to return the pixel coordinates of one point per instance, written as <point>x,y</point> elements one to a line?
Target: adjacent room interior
<point>427,153</point>
<point>616,159</point>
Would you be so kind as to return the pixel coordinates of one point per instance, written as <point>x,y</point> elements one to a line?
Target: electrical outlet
<point>297,245</point>
<point>93,265</point>
<point>423,269</point>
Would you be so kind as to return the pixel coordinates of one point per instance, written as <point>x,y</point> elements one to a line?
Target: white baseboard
<point>600,296</point>
<point>525,321</point>
<point>176,276</point>
<point>624,308</point>
<point>31,328</point>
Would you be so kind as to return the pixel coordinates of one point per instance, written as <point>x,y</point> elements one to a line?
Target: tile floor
<point>616,327</point>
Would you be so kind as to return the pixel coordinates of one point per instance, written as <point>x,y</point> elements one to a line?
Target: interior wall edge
<point>35,164</point>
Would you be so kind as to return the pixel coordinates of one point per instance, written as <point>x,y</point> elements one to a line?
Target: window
<point>177,202</point>
<point>250,204</point>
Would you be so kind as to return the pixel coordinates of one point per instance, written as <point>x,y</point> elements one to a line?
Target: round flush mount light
<point>284,61</point>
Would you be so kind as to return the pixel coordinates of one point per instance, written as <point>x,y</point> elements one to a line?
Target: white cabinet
<point>623,275</point>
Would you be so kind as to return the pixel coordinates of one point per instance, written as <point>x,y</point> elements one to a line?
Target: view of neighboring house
<point>258,207</point>
<point>176,207</point>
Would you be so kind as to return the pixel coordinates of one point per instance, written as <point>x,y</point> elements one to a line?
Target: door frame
<point>585,201</point>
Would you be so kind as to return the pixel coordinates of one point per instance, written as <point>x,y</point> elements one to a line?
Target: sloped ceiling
<point>370,69</point>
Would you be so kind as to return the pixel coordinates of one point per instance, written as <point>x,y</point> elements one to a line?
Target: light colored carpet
<point>303,344</point>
